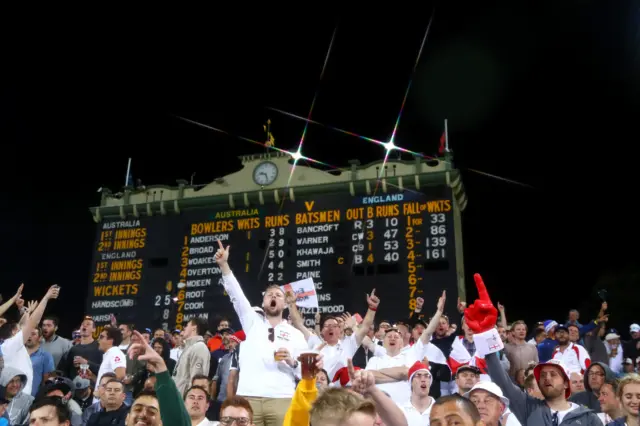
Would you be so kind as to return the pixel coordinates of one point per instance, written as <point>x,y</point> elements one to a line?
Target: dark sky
<point>547,95</point>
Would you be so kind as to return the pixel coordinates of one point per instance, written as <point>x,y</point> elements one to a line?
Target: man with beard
<point>57,346</point>
<point>552,377</point>
<point>268,351</point>
<point>41,360</point>
<point>574,357</point>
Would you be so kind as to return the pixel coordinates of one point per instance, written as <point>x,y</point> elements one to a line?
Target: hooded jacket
<point>18,408</point>
<point>587,398</point>
<point>531,411</point>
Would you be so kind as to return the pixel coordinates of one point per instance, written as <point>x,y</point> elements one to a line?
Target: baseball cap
<point>634,328</point>
<point>561,327</point>
<point>467,367</point>
<point>80,383</point>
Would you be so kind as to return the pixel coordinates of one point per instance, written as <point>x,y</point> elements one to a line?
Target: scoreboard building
<point>397,230</point>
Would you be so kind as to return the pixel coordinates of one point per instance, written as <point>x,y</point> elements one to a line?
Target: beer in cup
<point>308,360</point>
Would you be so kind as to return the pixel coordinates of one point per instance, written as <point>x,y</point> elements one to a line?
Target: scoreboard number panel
<point>119,268</point>
<point>402,244</point>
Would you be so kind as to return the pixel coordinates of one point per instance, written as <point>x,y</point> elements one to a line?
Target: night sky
<point>548,96</point>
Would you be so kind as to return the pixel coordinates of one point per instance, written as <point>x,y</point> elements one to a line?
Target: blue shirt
<point>42,363</point>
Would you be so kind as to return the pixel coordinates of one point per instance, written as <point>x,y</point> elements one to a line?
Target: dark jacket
<point>587,398</point>
<point>531,411</point>
<point>116,417</point>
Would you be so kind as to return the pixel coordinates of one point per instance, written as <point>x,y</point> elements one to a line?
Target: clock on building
<point>265,173</point>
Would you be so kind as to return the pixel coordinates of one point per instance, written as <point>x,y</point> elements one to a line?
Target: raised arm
<point>296,318</point>
<point>232,286</point>
<point>36,316</point>
<point>372,301</point>
<point>503,316</point>
<point>364,382</point>
<point>481,318</point>
<point>6,305</point>
<point>435,320</point>
<point>172,408</point>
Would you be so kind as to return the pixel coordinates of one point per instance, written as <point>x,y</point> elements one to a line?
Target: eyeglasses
<point>271,338</point>
<point>240,421</point>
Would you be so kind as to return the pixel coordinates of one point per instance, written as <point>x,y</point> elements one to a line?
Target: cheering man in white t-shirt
<point>113,359</point>
<point>14,336</point>
<point>267,361</point>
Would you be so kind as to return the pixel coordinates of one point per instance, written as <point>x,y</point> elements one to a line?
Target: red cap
<point>418,366</point>
<point>343,376</point>
<point>240,335</point>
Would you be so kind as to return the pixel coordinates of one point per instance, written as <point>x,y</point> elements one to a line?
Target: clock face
<point>265,173</point>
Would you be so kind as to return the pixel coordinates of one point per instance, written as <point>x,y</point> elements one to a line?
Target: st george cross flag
<point>305,291</point>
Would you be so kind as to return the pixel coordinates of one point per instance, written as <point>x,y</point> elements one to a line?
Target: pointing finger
<point>220,245</point>
<point>373,292</point>
<point>482,289</point>
<point>352,372</point>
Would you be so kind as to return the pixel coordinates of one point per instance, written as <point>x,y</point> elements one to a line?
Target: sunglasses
<point>271,334</point>
<point>56,381</point>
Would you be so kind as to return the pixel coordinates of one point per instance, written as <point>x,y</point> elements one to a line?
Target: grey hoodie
<point>587,397</point>
<point>18,408</point>
<point>531,411</point>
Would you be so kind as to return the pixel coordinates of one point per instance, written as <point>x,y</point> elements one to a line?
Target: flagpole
<point>446,136</point>
<point>126,180</point>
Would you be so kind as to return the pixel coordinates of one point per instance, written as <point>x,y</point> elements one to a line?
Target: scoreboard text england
<point>401,244</point>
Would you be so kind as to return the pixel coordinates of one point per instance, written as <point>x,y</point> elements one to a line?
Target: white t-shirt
<point>112,359</point>
<point>414,417</point>
<point>563,413</point>
<point>335,356</point>
<point>16,356</point>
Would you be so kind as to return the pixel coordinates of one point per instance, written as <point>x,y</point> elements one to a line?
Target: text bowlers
<point>267,365</point>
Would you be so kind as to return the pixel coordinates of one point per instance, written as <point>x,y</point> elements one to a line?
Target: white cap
<point>490,387</point>
<point>611,336</point>
<point>634,328</point>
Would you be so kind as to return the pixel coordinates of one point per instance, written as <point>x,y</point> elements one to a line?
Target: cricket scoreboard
<point>159,270</point>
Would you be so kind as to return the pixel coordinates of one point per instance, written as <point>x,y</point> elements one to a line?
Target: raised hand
<point>481,315</point>
<point>145,352</point>
<point>461,306</point>
<point>441,301</point>
<point>290,298</point>
<point>31,306</point>
<point>53,292</point>
<point>361,380</point>
<point>372,300</point>
<point>222,255</point>
<point>18,294</point>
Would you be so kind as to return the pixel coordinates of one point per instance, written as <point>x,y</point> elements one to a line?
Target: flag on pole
<point>443,142</point>
<point>128,179</point>
<point>444,139</point>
